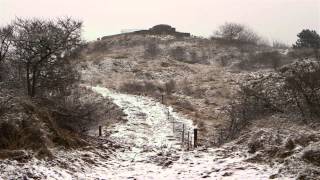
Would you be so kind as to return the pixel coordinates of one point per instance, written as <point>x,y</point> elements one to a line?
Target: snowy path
<point>149,134</point>
<point>148,124</point>
<point>151,151</point>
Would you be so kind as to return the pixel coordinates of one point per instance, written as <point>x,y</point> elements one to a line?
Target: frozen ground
<point>151,150</point>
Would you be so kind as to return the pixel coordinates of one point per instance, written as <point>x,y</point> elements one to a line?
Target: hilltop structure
<point>163,29</point>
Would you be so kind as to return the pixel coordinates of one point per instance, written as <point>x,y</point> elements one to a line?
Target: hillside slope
<point>203,80</point>
<point>200,83</point>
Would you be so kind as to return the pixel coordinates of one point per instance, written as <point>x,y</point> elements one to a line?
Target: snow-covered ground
<point>151,150</point>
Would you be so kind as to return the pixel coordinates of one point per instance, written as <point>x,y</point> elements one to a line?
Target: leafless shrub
<point>199,92</point>
<point>170,86</point>
<point>302,53</point>
<point>5,105</point>
<point>262,60</point>
<point>28,131</point>
<point>312,154</point>
<point>178,53</point>
<point>77,111</point>
<point>60,121</point>
<point>6,98</point>
<point>237,33</point>
<point>197,57</point>
<point>141,87</point>
<point>250,105</point>
<point>151,87</point>
<point>132,87</point>
<point>280,45</point>
<point>184,104</point>
<point>152,50</point>
<point>293,91</point>
<point>185,87</point>
<point>99,46</point>
<point>194,57</point>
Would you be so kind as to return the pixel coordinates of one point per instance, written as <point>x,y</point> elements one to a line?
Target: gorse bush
<point>302,83</point>
<point>267,59</point>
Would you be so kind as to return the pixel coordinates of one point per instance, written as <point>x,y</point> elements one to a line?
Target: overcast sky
<point>274,19</point>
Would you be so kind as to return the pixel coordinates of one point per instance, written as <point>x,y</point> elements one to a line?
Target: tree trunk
<point>34,81</point>
<point>28,80</point>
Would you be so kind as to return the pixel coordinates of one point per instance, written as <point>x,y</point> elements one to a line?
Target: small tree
<point>41,46</point>
<point>308,39</point>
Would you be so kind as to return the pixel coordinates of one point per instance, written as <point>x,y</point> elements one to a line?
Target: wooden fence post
<point>100,131</point>
<point>195,137</point>
<point>162,98</point>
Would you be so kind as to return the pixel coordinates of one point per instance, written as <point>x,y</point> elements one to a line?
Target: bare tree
<point>237,32</point>
<point>5,44</point>
<point>5,41</point>
<point>230,31</point>
<point>41,45</point>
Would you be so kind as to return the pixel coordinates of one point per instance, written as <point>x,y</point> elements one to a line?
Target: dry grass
<point>34,125</point>
<point>142,87</point>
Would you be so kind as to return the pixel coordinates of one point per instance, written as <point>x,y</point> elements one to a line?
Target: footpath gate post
<point>162,98</point>
<point>100,130</point>
<point>195,137</point>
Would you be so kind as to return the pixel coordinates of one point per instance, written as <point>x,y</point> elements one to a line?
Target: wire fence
<point>187,136</point>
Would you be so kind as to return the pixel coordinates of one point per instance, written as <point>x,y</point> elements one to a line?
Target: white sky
<point>274,19</point>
